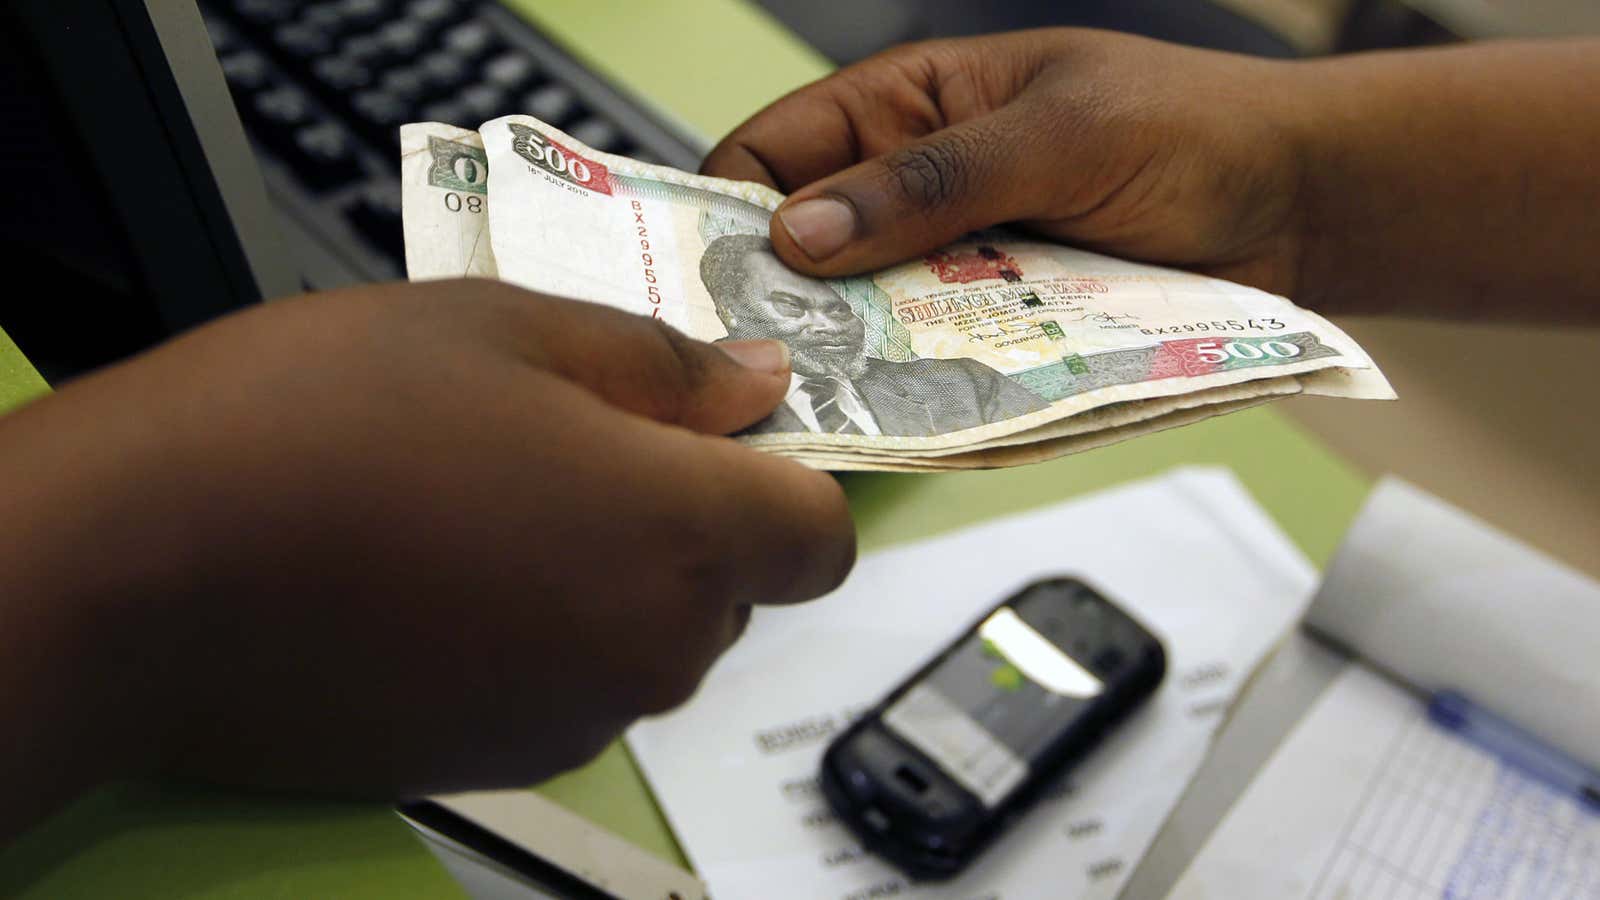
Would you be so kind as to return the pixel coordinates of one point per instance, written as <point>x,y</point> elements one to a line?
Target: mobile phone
<point>932,774</point>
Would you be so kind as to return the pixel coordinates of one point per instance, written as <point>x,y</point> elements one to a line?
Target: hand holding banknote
<point>280,500</point>
<point>996,349</point>
<point>316,507</point>
<point>1455,181</point>
<point>1115,143</point>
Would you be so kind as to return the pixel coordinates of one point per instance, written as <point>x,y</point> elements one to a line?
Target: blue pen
<point>1515,747</point>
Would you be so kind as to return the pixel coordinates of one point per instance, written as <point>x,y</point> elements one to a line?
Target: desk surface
<point>19,383</point>
<point>709,69</point>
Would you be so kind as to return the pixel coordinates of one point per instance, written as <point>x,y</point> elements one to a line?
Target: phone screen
<point>992,705</point>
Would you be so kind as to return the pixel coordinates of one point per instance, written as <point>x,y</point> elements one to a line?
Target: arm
<point>1459,182</point>
<point>67,702</point>
<point>218,554</point>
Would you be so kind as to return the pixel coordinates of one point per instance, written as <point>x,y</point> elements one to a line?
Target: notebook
<point>1369,795</point>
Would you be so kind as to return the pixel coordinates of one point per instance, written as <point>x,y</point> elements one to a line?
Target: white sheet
<point>1190,554</point>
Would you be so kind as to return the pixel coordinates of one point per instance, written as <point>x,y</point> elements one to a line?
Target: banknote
<point>1020,454</point>
<point>444,187</point>
<point>446,237</point>
<point>997,350</point>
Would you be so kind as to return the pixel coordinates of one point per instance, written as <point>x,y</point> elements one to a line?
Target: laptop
<point>197,158</point>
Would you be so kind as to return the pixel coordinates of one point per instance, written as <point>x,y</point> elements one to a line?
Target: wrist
<point>1317,257</point>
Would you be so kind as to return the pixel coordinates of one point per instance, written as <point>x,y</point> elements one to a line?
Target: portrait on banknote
<point>837,387</point>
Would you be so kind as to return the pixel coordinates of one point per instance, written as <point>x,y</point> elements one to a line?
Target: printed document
<point>1189,554</point>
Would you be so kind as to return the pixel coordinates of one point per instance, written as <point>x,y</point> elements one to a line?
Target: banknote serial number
<point>454,202</point>
<point>1268,323</point>
<point>652,290</point>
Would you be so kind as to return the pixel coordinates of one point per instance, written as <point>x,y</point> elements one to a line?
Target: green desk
<point>19,383</point>
<point>707,63</point>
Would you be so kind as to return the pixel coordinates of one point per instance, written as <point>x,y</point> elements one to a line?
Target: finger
<point>744,527</point>
<point>716,528</point>
<point>879,104</point>
<point>793,142</point>
<point>916,198</point>
<point>782,532</point>
<point>646,367</point>
<point>776,531</point>
<point>788,144</point>
<point>854,114</point>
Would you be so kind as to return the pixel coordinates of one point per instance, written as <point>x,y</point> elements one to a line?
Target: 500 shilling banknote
<point>996,350</point>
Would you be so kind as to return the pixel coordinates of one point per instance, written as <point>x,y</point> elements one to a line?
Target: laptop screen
<point>116,201</point>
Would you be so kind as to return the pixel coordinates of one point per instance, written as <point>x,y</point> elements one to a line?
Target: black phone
<point>932,774</point>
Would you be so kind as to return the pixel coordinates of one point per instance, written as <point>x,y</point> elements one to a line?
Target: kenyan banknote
<point>444,183</point>
<point>996,350</point>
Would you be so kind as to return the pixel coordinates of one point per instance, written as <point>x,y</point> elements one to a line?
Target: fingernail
<point>762,356</point>
<point>821,226</point>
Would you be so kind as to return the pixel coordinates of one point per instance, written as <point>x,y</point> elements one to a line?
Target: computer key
<point>444,71</point>
<point>510,71</point>
<point>450,113</point>
<point>224,39</point>
<point>303,43</point>
<point>283,107</point>
<point>323,156</point>
<point>597,133</point>
<point>403,39</point>
<point>246,72</point>
<point>366,48</point>
<point>342,74</point>
<point>363,14</point>
<point>553,103</point>
<point>408,84</point>
<point>470,40</point>
<point>432,13</point>
<point>325,17</point>
<point>381,110</point>
<point>265,14</point>
<point>482,101</point>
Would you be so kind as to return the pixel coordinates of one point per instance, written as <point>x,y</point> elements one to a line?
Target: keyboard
<point>323,87</point>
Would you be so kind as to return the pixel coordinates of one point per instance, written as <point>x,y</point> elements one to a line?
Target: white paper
<point>1190,554</point>
<point>1441,600</point>
<point>1368,799</point>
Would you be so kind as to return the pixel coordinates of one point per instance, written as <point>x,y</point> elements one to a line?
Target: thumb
<point>909,201</point>
<point>651,369</point>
